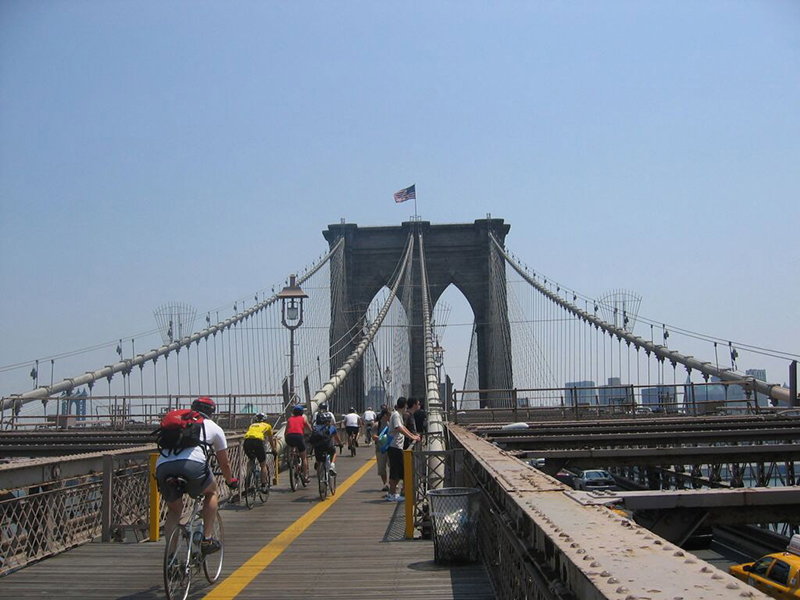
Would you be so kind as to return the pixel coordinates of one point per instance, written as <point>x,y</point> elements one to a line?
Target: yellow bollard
<point>155,501</point>
<point>408,486</point>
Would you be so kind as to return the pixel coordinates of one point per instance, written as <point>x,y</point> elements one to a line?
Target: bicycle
<point>252,484</point>
<point>295,465</point>
<point>352,442</point>
<point>326,479</point>
<point>368,433</point>
<point>183,557</point>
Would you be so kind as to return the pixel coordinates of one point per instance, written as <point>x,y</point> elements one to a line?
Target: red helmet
<point>204,405</point>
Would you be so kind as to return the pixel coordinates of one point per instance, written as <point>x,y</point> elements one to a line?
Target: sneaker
<point>210,546</point>
<point>265,488</point>
<point>394,498</point>
<point>385,488</point>
<point>333,468</point>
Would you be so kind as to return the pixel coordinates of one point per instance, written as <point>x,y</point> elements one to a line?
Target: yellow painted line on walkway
<point>232,585</point>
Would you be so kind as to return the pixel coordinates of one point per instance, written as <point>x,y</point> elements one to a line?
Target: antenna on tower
<point>620,308</point>
<point>175,320</point>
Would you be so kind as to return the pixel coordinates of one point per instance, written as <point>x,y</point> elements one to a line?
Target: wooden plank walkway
<point>355,549</point>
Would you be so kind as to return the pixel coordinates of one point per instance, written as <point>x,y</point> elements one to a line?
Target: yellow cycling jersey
<point>258,431</point>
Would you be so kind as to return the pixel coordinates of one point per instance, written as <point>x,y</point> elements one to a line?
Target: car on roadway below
<point>594,479</point>
<point>777,575</point>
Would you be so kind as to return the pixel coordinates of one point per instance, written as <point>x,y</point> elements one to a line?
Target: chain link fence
<point>41,520</point>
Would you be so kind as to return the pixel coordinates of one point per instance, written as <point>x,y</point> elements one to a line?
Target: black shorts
<point>296,440</point>
<point>396,468</point>
<point>197,474</point>
<point>254,448</point>
<point>352,430</point>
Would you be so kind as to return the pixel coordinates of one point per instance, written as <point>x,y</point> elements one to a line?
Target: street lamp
<point>438,360</point>
<point>292,297</point>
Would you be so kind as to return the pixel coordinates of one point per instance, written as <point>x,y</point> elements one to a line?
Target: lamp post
<point>438,360</point>
<point>387,377</point>
<point>292,297</point>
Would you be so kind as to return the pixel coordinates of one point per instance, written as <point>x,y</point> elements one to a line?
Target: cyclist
<point>369,420</point>
<point>352,424</point>
<point>254,444</point>
<point>192,464</point>
<point>296,427</point>
<point>325,426</point>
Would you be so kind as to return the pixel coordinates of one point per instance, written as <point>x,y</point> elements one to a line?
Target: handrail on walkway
<point>65,502</point>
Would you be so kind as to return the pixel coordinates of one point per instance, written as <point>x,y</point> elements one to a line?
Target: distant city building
<point>760,374</point>
<point>614,393</point>
<point>660,398</point>
<point>726,392</point>
<point>710,397</point>
<point>577,392</point>
<point>376,396</point>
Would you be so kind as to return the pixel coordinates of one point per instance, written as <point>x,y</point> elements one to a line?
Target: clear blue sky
<point>152,151</point>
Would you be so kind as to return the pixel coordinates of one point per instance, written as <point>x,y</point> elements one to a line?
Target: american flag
<point>409,193</point>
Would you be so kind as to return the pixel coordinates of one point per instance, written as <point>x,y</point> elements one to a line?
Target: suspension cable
<point>774,391</point>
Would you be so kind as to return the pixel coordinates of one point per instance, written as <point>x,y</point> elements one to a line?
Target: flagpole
<point>416,216</point>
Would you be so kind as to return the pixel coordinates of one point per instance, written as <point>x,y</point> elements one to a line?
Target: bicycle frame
<point>180,565</point>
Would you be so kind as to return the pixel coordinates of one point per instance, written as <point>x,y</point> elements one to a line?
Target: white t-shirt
<point>351,420</point>
<point>395,421</point>
<point>213,436</point>
<point>370,416</point>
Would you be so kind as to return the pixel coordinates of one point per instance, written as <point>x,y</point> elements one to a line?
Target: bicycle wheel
<point>250,484</point>
<point>352,447</point>
<point>212,564</point>
<point>263,492</point>
<point>293,470</point>
<point>332,483</point>
<point>300,477</point>
<point>177,569</point>
<point>323,485</point>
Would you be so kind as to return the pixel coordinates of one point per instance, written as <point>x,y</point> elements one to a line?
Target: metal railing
<point>47,518</point>
<point>427,470</point>
<point>524,404</point>
<point>132,411</point>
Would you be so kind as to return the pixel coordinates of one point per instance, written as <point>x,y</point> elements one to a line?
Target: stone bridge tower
<point>458,254</point>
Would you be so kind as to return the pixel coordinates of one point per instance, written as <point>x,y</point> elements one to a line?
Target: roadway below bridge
<point>350,546</point>
<point>39,444</point>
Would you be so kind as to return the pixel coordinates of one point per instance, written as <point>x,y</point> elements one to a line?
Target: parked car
<point>594,479</point>
<point>774,574</point>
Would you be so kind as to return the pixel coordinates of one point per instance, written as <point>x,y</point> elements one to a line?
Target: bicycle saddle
<point>177,482</point>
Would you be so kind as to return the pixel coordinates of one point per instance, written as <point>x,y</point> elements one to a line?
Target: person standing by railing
<point>421,419</point>
<point>412,405</point>
<point>380,436</point>
<point>397,434</point>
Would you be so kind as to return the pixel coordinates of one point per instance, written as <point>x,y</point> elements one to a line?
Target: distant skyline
<point>195,152</point>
